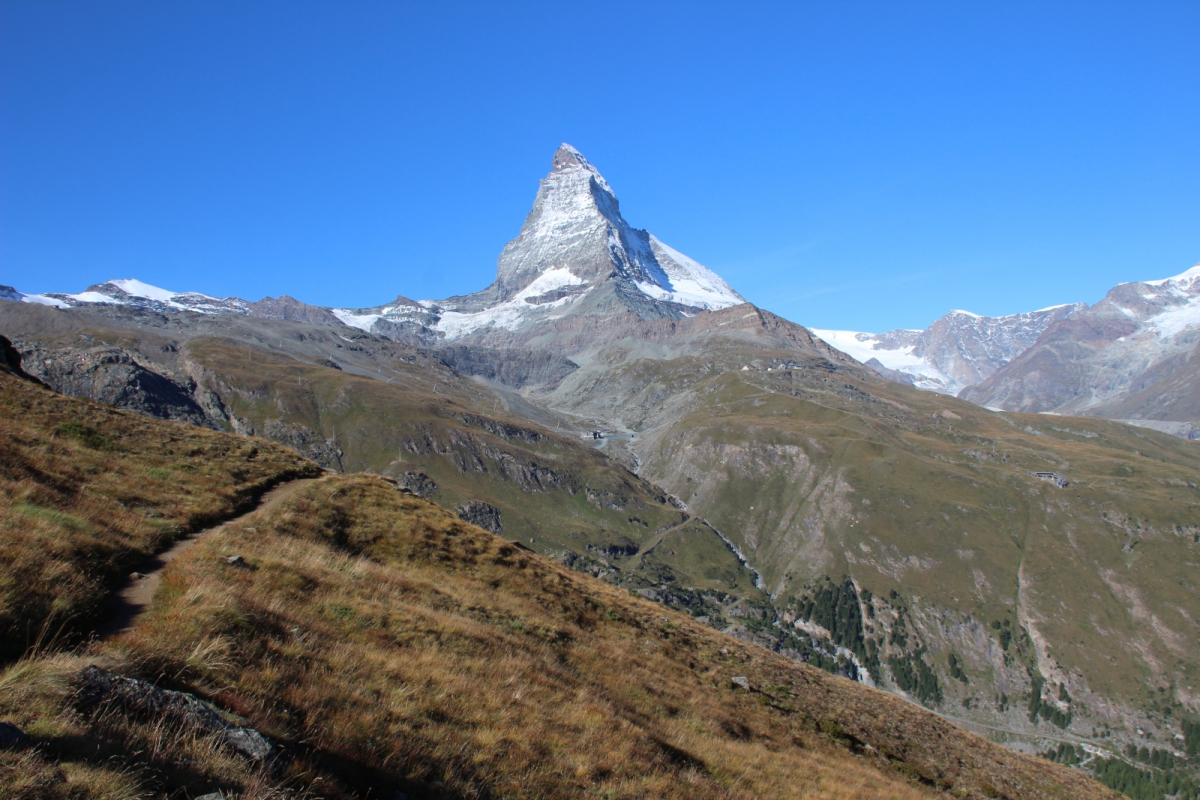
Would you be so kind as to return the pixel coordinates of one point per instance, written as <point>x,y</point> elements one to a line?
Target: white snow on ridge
<point>130,291</point>
<point>511,313</point>
<point>1188,276</point>
<point>136,288</point>
<point>863,347</point>
<point>688,281</point>
<point>43,300</point>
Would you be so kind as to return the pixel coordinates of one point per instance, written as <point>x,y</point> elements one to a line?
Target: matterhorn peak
<point>575,232</point>
<point>575,255</point>
<point>567,157</point>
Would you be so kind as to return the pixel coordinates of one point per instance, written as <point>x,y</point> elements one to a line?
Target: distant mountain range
<point>959,350</point>
<point>1128,357</point>
<point>575,256</point>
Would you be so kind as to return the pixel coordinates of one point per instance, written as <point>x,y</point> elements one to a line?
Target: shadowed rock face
<point>517,368</point>
<point>112,375</point>
<point>481,514</point>
<point>10,359</point>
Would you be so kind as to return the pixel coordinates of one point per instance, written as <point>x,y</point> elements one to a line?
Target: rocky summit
<point>575,256</point>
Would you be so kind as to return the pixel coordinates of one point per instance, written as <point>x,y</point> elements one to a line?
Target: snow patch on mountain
<point>1176,320</point>
<point>39,299</point>
<point>887,351</point>
<point>687,282</point>
<point>510,314</point>
<point>364,322</point>
<point>957,351</point>
<point>135,288</point>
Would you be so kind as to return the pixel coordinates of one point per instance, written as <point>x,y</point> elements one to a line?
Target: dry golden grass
<point>88,492</point>
<point>107,755</point>
<point>389,646</point>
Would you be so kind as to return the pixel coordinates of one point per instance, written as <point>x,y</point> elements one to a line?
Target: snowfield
<point>863,347</point>
<point>512,313</point>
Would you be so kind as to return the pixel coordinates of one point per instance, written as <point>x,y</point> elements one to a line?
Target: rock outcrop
<point>481,514</point>
<point>99,689</point>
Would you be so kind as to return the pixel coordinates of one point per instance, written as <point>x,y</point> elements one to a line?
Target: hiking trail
<point>131,602</point>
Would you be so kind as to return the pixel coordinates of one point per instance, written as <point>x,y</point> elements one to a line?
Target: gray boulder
<point>481,514</point>
<point>99,688</point>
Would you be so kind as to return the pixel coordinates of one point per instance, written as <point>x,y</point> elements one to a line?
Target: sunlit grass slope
<point>87,492</point>
<point>388,646</point>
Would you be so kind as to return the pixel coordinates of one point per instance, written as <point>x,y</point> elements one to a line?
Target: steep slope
<point>355,641</point>
<point>957,351</point>
<point>918,516</point>
<point>354,401</point>
<point>1130,356</point>
<point>88,492</point>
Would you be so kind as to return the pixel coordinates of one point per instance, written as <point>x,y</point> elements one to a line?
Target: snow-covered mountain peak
<point>1188,278</point>
<point>576,225</point>
<point>136,293</point>
<point>567,157</point>
<point>958,350</point>
<point>575,255</point>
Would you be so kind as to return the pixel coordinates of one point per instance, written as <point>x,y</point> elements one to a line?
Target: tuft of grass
<point>88,436</point>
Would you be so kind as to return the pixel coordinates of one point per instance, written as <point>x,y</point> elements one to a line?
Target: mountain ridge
<point>1129,356</point>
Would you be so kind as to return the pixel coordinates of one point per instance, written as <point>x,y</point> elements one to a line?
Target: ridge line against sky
<point>850,166</point>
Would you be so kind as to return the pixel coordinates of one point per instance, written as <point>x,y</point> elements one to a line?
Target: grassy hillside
<point>1065,613</point>
<point>355,402</point>
<point>386,646</point>
<point>87,492</point>
<point>900,536</point>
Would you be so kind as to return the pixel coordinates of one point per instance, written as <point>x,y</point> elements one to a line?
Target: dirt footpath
<point>133,600</point>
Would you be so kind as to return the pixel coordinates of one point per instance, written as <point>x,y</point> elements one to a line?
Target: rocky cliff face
<point>1130,356</point>
<point>957,351</point>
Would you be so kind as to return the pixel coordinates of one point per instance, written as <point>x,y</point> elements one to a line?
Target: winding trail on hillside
<point>132,601</point>
<point>658,537</point>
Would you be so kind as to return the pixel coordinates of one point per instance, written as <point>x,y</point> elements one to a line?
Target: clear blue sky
<point>848,165</point>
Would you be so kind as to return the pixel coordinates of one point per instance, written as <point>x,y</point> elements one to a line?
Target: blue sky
<point>847,165</point>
